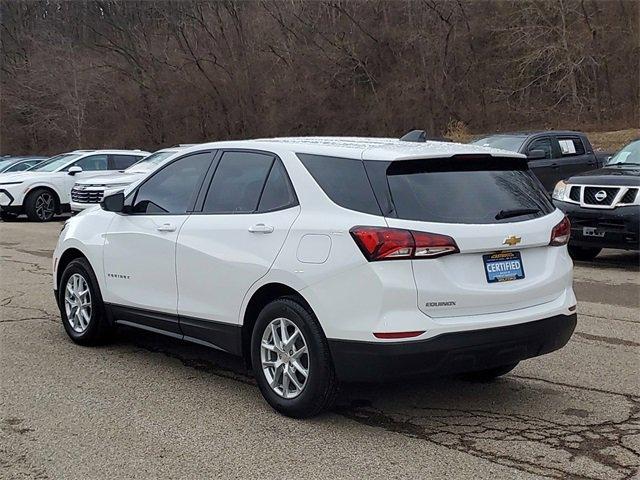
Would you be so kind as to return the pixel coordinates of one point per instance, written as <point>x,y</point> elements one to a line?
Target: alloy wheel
<point>285,358</point>
<point>45,206</point>
<point>77,303</point>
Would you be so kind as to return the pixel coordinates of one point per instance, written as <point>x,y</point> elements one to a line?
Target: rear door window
<point>571,146</point>
<point>344,180</point>
<point>278,192</point>
<point>465,191</point>
<point>238,182</point>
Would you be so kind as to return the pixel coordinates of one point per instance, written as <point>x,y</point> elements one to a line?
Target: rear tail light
<point>561,233</point>
<point>381,243</point>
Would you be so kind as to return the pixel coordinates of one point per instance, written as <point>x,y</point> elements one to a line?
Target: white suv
<point>328,259</point>
<point>88,192</point>
<point>44,190</point>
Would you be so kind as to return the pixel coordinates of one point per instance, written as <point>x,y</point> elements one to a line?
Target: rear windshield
<point>466,191</point>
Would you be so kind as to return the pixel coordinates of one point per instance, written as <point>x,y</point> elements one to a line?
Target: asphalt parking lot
<point>150,407</point>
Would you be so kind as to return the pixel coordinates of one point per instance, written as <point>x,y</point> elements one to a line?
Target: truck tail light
<point>382,243</point>
<point>561,233</point>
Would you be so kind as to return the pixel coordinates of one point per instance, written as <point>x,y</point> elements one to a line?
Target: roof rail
<point>184,145</point>
<point>415,136</point>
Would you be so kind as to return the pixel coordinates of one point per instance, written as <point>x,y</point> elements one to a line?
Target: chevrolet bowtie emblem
<point>512,240</point>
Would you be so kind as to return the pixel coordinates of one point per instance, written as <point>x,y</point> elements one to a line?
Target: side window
<point>570,146</point>
<point>278,192</point>
<point>91,163</point>
<point>173,188</point>
<point>344,180</point>
<point>238,182</point>
<point>19,167</point>
<point>543,144</point>
<point>120,162</point>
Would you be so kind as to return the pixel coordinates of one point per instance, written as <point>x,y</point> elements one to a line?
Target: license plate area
<point>592,232</point>
<point>503,267</point>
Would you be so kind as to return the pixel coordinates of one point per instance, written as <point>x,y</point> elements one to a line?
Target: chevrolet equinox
<point>321,260</point>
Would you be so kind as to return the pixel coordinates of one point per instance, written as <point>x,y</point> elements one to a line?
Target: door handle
<point>166,227</point>
<point>261,228</point>
<point>554,165</point>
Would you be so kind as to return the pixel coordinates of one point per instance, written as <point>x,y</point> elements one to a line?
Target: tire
<point>92,328</point>
<point>319,387</point>
<point>490,373</point>
<point>8,217</point>
<point>41,205</point>
<point>583,253</point>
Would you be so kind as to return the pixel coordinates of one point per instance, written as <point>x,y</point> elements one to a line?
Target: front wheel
<point>291,360</point>
<point>81,306</point>
<point>583,253</point>
<point>41,205</point>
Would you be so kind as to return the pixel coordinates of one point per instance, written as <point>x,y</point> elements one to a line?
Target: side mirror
<point>113,202</point>
<point>75,169</point>
<point>536,154</point>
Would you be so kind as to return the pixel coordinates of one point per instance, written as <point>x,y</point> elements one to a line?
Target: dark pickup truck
<point>553,155</point>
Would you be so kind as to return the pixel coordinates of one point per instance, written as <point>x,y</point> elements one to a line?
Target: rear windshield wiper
<point>518,212</point>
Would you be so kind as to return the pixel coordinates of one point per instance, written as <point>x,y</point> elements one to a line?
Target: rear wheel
<point>41,205</point>
<point>81,305</point>
<point>583,253</point>
<point>490,373</point>
<point>291,360</point>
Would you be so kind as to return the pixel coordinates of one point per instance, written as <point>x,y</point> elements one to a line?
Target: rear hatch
<point>501,221</point>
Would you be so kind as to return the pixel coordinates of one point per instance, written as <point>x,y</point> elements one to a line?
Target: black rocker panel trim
<point>222,336</point>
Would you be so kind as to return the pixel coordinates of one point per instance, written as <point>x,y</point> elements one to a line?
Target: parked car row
<point>10,164</point>
<point>602,203</point>
<point>45,189</point>
<point>325,259</point>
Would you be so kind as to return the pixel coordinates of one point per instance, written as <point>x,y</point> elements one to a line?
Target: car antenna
<point>415,136</point>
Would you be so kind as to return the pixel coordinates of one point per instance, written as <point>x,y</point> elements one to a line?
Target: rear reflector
<point>397,334</point>
<point>561,233</point>
<point>382,243</point>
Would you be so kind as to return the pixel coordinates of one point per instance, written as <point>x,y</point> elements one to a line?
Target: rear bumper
<point>450,353</point>
<point>620,227</point>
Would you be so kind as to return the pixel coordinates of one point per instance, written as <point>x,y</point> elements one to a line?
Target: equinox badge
<point>512,240</point>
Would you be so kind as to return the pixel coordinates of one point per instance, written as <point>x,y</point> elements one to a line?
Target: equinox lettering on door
<point>449,303</point>
<point>117,275</point>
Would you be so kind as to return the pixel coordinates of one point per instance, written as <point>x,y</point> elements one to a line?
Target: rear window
<point>344,180</point>
<point>466,191</point>
<point>121,162</point>
<point>504,142</point>
<point>570,146</point>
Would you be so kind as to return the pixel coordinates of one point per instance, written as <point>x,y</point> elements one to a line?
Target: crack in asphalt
<point>37,269</point>
<point>626,320</point>
<point>526,443</point>
<point>11,460</point>
<point>476,432</point>
<point>609,340</point>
